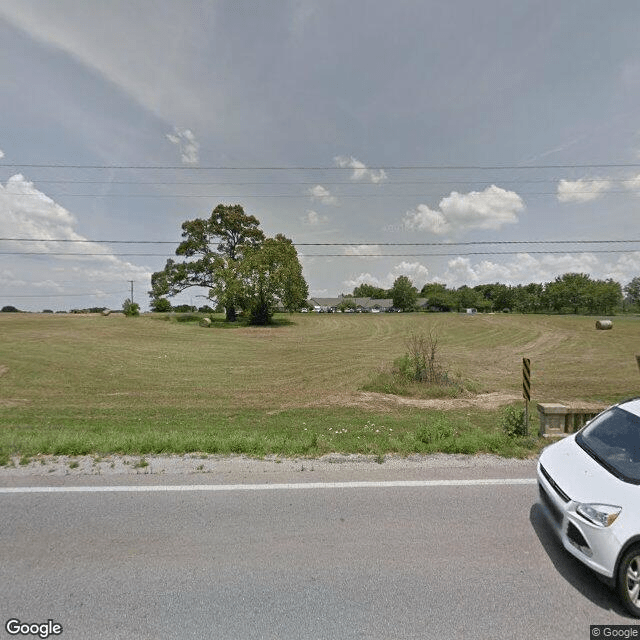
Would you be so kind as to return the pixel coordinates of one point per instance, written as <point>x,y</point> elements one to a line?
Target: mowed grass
<point>91,384</point>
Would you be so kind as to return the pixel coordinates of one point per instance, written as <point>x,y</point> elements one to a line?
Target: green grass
<point>72,385</point>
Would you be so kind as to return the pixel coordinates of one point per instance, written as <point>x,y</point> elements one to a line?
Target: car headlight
<point>603,515</point>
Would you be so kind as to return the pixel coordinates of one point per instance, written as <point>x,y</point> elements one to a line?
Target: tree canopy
<point>404,294</point>
<point>569,293</point>
<point>243,269</point>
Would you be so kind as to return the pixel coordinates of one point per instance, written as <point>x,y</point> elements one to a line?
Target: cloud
<point>424,219</point>
<point>365,278</point>
<point>633,184</point>
<point>415,271</point>
<point>187,143</point>
<point>313,218</point>
<point>582,190</point>
<point>28,213</point>
<point>360,170</point>
<point>488,209</point>
<point>1,153</point>
<point>520,269</point>
<point>362,250</point>
<point>322,194</point>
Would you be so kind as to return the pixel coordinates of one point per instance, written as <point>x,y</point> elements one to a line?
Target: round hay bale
<point>604,324</point>
<point>106,312</point>
<point>205,322</point>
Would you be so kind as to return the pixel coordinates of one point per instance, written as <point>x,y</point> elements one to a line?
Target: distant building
<point>331,305</point>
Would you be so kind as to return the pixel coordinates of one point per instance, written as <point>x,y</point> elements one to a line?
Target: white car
<point>589,486</point>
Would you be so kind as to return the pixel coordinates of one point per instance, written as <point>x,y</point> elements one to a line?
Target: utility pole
<point>131,281</point>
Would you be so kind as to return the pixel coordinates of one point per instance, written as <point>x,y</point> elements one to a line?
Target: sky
<point>458,142</point>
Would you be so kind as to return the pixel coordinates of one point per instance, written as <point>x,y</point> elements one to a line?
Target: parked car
<point>589,485</point>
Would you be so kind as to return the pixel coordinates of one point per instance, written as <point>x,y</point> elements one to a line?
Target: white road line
<point>272,487</point>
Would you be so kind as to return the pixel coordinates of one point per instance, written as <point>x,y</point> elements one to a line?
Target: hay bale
<point>106,312</point>
<point>205,322</point>
<point>604,324</point>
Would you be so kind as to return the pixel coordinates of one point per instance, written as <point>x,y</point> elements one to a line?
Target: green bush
<point>513,422</point>
<point>160,305</point>
<point>436,430</point>
<point>130,308</point>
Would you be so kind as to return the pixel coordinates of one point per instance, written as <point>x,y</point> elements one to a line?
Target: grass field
<point>74,384</point>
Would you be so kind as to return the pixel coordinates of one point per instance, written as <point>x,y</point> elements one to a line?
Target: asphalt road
<point>439,560</point>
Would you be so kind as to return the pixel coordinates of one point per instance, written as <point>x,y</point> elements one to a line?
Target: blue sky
<point>364,125</point>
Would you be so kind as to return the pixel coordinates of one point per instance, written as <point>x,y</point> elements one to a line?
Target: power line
<point>307,182</point>
<point>407,167</point>
<point>342,244</point>
<point>335,255</point>
<point>299,196</point>
<point>64,295</point>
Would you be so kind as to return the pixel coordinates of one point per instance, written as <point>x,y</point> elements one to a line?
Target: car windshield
<point>613,439</point>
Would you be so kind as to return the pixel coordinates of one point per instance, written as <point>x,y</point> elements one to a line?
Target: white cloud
<point>489,209</point>
<point>187,143</point>
<point>424,219</point>
<point>28,213</point>
<point>360,170</point>
<point>1,153</point>
<point>365,278</point>
<point>582,190</point>
<point>322,194</point>
<point>522,268</point>
<point>362,250</point>
<point>313,218</point>
<point>633,184</point>
<point>416,272</point>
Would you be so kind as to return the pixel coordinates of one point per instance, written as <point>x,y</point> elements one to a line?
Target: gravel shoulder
<point>194,468</point>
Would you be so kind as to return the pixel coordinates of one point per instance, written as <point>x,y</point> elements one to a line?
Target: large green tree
<point>571,291</point>
<point>404,294</point>
<point>271,274</point>
<point>243,270</point>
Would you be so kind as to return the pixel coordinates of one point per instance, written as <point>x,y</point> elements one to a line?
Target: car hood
<point>582,478</point>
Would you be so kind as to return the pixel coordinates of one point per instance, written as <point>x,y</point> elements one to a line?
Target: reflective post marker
<point>526,390</point>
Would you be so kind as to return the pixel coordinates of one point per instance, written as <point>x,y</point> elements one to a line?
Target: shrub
<point>160,305</point>
<point>436,430</point>
<point>513,422</point>
<point>130,308</point>
<point>421,363</point>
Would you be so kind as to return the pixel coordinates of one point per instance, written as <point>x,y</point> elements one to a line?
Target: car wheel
<point>629,580</point>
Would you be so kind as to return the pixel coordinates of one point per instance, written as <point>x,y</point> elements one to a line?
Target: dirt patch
<point>3,369</point>
<point>384,401</point>
<point>13,402</point>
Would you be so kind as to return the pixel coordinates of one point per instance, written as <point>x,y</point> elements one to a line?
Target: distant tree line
<point>569,293</point>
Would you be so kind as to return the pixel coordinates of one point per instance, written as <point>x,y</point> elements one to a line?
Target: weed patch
<point>420,373</point>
